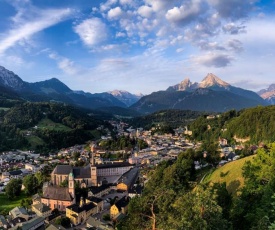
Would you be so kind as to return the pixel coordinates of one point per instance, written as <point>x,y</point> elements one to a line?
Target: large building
<point>92,174</point>
<point>57,197</point>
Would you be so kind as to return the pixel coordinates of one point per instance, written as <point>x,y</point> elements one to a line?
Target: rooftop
<point>78,209</point>
<point>57,193</point>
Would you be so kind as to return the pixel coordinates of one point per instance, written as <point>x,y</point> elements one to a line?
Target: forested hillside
<point>172,118</point>
<point>173,200</point>
<point>255,124</point>
<point>45,126</point>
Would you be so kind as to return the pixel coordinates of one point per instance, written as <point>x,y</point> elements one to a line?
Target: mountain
<point>268,94</point>
<point>210,81</point>
<point>211,94</point>
<point>125,97</point>
<point>54,90</point>
<point>11,80</point>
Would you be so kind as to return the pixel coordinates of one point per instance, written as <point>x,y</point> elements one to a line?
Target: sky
<point>140,46</point>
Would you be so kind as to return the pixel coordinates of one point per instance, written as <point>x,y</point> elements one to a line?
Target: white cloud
<point>234,9</point>
<point>25,29</point>
<point>160,5</point>
<point>125,2</point>
<point>65,64</point>
<point>235,45</point>
<point>179,50</point>
<point>115,13</point>
<point>107,5</point>
<point>120,35</point>
<point>232,28</point>
<point>185,13</point>
<point>91,31</point>
<point>145,11</point>
<point>216,60</point>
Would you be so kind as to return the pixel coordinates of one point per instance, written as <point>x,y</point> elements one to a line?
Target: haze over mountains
<point>211,94</point>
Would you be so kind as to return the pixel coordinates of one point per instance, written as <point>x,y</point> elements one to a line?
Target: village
<point>110,182</point>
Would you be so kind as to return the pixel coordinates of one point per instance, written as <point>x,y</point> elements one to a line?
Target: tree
<point>13,188</point>
<point>106,217</point>
<point>31,184</point>
<point>26,203</point>
<point>64,221</point>
<point>197,209</point>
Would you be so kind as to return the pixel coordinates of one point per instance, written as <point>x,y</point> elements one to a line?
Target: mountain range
<point>211,94</point>
<point>54,90</point>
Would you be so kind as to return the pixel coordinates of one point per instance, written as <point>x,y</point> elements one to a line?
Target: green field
<point>35,141</point>
<point>49,124</point>
<point>6,205</point>
<point>230,173</point>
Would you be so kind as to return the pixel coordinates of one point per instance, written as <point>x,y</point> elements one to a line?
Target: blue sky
<point>139,45</point>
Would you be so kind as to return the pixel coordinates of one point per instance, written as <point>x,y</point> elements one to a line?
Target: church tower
<point>93,170</point>
<point>71,186</point>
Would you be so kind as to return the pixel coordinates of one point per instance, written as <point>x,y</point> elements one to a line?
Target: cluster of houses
<point>100,176</point>
<point>99,179</point>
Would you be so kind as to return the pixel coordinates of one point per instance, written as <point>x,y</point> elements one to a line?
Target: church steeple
<point>71,185</point>
<point>92,159</point>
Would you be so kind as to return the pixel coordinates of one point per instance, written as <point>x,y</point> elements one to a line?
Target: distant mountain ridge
<point>211,94</point>
<point>54,90</point>
<point>268,94</point>
<point>126,97</point>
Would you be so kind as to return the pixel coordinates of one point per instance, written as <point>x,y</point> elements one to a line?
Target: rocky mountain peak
<point>10,79</point>
<point>125,97</point>
<point>212,80</point>
<point>117,92</point>
<point>185,84</point>
<point>268,93</point>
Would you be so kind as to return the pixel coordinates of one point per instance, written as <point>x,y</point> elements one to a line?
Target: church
<point>92,174</point>
<point>56,196</point>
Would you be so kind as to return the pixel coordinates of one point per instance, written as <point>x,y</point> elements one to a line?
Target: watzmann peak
<point>212,80</point>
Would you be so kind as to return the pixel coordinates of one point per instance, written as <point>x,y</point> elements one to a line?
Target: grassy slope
<point>231,173</point>
<point>46,124</point>
<point>7,205</point>
<point>49,124</point>
<point>35,141</point>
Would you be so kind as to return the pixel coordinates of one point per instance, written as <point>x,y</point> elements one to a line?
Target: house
<point>19,212</point>
<point>13,174</point>
<point>136,190</point>
<point>99,191</point>
<point>120,207</point>
<point>80,213</point>
<point>128,179</point>
<point>41,210</point>
<point>36,199</point>
<point>3,222</point>
<point>97,201</point>
<point>33,224</point>
<point>97,224</point>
